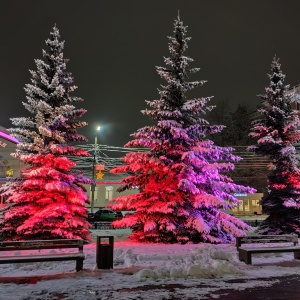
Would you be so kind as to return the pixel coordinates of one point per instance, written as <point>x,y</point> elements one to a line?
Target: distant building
<point>249,205</point>
<point>106,187</point>
<point>105,191</point>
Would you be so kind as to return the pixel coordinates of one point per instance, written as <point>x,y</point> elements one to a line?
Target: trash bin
<point>105,252</point>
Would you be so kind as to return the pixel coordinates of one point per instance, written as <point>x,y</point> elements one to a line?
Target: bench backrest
<point>41,244</point>
<point>252,239</point>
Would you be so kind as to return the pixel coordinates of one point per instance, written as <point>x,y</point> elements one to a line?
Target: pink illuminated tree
<point>276,133</point>
<point>183,187</point>
<point>48,198</point>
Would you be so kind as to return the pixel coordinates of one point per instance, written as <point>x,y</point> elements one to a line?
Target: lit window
<point>255,203</point>
<point>108,192</point>
<point>246,205</point>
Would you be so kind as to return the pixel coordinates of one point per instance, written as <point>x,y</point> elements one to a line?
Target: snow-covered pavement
<point>145,271</point>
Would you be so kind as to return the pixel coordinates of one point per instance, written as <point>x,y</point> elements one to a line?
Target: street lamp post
<point>93,185</point>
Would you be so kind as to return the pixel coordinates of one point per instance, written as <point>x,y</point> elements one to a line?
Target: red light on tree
<point>48,198</point>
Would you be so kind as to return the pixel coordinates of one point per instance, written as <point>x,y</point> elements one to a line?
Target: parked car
<point>105,215</point>
<point>90,217</point>
<point>119,215</point>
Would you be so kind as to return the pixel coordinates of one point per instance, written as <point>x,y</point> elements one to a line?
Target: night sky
<point>114,46</point>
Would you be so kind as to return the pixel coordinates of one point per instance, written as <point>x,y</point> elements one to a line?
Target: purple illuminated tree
<point>48,198</point>
<point>276,134</point>
<point>181,178</point>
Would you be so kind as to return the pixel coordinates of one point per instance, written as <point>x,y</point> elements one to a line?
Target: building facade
<point>106,189</point>
<point>249,204</point>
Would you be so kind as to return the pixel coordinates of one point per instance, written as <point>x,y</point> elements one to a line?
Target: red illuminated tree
<point>276,134</point>
<point>48,199</point>
<point>182,181</point>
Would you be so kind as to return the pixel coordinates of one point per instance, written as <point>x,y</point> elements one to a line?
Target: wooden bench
<point>280,242</point>
<point>9,246</point>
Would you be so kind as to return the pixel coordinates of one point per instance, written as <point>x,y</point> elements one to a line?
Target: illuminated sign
<point>240,194</point>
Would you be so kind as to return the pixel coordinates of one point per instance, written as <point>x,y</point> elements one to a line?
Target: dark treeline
<point>236,134</point>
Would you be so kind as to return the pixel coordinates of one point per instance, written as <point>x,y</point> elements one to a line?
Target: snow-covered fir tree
<point>183,189</point>
<point>276,133</point>
<point>48,198</point>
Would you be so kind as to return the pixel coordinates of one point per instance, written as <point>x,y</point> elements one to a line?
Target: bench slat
<point>42,242</point>
<point>38,247</point>
<point>271,249</point>
<point>40,258</point>
<point>292,238</point>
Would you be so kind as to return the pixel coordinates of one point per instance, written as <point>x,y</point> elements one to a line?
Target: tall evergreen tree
<point>48,199</point>
<point>275,134</point>
<point>183,188</point>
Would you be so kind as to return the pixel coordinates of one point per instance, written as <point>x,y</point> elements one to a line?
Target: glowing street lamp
<point>93,186</point>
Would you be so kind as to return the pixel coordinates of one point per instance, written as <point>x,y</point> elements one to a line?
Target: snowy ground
<point>144,271</point>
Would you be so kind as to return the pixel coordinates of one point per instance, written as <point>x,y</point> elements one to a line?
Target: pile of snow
<point>138,266</point>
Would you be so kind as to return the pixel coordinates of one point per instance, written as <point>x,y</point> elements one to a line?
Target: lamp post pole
<point>93,185</point>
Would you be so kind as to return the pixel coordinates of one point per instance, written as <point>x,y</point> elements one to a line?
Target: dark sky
<point>114,46</point>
